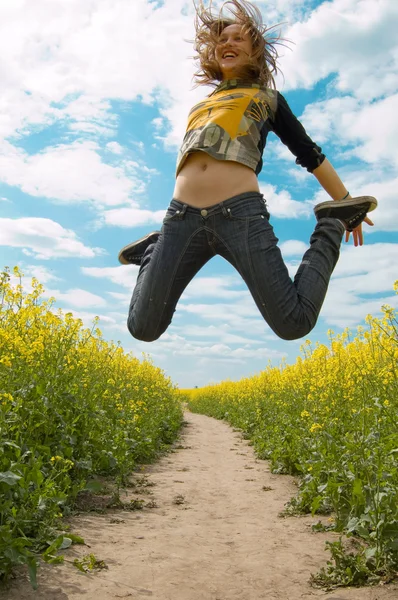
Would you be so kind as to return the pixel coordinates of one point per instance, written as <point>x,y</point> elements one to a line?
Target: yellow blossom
<point>315,427</point>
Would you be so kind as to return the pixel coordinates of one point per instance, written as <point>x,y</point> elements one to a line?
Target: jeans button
<point>203,212</point>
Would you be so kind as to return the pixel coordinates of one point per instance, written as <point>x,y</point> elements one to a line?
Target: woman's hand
<point>357,233</point>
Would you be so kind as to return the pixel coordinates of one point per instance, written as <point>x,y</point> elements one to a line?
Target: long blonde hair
<point>262,66</point>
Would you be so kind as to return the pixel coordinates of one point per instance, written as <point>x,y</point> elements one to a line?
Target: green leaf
<point>370,552</point>
<point>77,563</point>
<point>40,388</point>
<point>363,532</point>
<point>41,505</point>
<point>16,555</point>
<point>94,486</point>
<point>379,496</point>
<point>36,476</point>
<point>9,478</point>
<point>66,543</point>
<point>390,530</point>
<point>13,445</point>
<point>32,568</point>
<point>357,488</point>
<point>56,544</point>
<point>55,560</point>
<point>76,539</point>
<point>316,504</point>
<point>87,465</point>
<point>352,524</point>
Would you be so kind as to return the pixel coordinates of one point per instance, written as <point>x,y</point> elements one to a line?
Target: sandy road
<point>214,535</point>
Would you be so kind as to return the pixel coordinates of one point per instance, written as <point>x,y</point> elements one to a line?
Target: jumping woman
<point>217,207</point>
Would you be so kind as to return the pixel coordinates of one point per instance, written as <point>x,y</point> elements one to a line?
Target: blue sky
<point>93,106</point>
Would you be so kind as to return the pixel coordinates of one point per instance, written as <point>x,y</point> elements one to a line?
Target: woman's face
<point>233,51</point>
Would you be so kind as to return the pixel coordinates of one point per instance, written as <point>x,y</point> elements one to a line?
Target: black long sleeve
<point>292,133</point>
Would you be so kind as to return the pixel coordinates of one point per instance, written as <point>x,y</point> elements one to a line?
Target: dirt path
<point>215,534</point>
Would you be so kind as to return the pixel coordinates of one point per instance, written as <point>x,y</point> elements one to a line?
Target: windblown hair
<point>262,65</point>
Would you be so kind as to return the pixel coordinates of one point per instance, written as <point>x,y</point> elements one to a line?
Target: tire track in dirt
<point>214,534</point>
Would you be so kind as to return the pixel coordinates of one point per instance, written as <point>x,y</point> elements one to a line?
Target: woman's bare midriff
<point>204,181</point>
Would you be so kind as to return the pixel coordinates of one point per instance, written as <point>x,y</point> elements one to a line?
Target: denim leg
<point>166,269</point>
<point>290,308</point>
<point>239,230</point>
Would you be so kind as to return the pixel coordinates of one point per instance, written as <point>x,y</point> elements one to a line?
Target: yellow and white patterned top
<point>233,122</point>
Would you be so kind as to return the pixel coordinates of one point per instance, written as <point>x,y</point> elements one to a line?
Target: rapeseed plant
<point>332,419</point>
<point>72,406</point>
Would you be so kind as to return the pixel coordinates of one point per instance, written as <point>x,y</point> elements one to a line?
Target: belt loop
<point>225,211</point>
<point>183,211</point>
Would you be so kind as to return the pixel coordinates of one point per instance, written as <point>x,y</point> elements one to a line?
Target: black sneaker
<point>132,253</point>
<point>350,212</point>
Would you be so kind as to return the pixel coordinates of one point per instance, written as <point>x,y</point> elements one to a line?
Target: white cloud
<point>369,182</point>
<point>241,316</point>
<point>132,217</point>
<point>87,53</point>
<point>293,248</point>
<point>90,114</point>
<point>41,273</point>
<point>361,273</point>
<point>376,262</point>
<point>122,298</point>
<point>125,275</point>
<point>114,147</point>
<point>76,297</point>
<point>370,129</point>
<point>343,309</point>
<point>43,238</point>
<point>88,318</point>
<point>158,123</point>
<point>214,287</point>
<point>299,174</point>
<point>223,333</point>
<point>281,204</point>
<point>70,173</point>
<point>377,127</point>
<point>178,346</point>
<point>356,39</point>
<point>112,325</point>
<point>67,72</point>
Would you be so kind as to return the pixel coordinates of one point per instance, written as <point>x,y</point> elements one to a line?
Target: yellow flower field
<point>72,407</point>
<point>332,419</point>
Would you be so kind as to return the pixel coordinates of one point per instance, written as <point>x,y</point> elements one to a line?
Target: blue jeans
<point>237,229</point>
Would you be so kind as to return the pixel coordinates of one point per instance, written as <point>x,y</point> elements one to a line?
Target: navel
<point>204,167</point>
